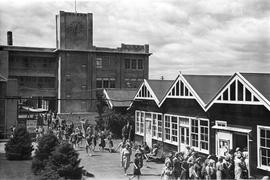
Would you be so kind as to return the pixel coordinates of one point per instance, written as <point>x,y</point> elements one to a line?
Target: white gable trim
<point>154,97</point>
<point>246,85</point>
<point>194,95</point>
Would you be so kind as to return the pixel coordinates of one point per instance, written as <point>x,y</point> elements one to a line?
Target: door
<point>148,132</point>
<point>223,143</point>
<point>184,138</point>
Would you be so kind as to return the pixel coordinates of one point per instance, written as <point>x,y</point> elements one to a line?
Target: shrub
<point>19,146</point>
<point>46,145</point>
<point>64,160</point>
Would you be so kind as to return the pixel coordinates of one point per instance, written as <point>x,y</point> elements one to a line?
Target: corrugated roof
<point>261,81</point>
<point>206,86</point>
<point>160,87</point>
<point>121,97</point>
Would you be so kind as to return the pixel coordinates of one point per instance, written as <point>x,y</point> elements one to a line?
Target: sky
<point>187,36</point>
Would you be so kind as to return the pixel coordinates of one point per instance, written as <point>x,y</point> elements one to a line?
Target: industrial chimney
<point>9,38</point>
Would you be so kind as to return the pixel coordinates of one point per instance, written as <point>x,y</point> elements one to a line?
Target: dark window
<point>106,83</point>
<point>140,64</point>
<point>127,63</point>
<point>133,64</point>
<point>26,62</point>
<point>112,83</point>
<point>240,91</point>
<point>248,95</point>
<point>225,95</point>
<point>232,91</point>
<point>99,83</point>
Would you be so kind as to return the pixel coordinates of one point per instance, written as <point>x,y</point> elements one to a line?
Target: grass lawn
<point>15,169</point>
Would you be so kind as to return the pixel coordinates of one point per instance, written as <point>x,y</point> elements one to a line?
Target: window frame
<point>259,159</point>
<point>98,62</point>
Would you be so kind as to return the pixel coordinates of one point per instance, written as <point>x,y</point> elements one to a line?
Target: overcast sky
<point>191,36</point>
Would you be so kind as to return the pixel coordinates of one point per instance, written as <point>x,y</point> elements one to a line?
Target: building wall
<point>74,30</point>
<point>36,73</point>
<point>11,104</point>
<point>76,82</point>
<point>3,90</point>
<point>4,63</point>
<point>242,115</point>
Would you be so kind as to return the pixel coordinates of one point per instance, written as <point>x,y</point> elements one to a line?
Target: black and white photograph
<point>134,89</point>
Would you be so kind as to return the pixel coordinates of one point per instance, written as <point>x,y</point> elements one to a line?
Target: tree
<point>46,145</point>
<point>64,160</point>
<point>19,147</point>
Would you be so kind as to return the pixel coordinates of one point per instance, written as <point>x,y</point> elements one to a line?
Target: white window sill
<point>265,168</point>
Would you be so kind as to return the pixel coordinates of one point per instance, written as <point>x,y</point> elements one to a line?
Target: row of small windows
<point>144,93</point>
<point>35,82</point>
<point>133,64</point>
<point>105,83</point>
<point>31,61</point>
<point>133,83</point>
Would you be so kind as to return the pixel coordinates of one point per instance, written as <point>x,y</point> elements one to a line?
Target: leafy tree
<point>46,145</point>
<point>19,147</point>
<point>64,160</point>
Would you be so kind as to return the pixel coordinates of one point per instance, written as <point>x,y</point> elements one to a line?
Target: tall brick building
<point>66,78</point>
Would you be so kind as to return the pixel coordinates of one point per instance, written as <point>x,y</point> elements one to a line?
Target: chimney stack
<point>9,38</point>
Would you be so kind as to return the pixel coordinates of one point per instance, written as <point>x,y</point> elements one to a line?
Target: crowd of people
<point>188,164</point>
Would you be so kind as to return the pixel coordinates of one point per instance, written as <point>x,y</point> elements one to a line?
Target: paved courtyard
<point>103,165</point>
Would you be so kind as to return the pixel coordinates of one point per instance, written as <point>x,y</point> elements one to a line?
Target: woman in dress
<point>219,168</point>
<point>167,171</point>
<point>237,167</point>
<point>125,157</point>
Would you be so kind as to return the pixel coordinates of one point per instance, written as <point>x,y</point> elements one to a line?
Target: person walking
<point>88,145</point>
<point>110,142</point>
<point>125,157</point>
<point>138,163</point>
<point>176,166</point>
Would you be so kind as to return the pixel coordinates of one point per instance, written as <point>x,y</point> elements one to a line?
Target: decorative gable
<point>237,92</point>
<point>144,93</point>
<point>180,90</point>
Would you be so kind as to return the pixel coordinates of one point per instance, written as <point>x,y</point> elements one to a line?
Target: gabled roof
<point>261,81</point>
<point>206,86</point>
<point>119,97</point>
<point>160,87</point>
<point>255,90</point>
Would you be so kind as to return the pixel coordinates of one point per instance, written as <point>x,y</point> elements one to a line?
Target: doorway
<point>224,142</point>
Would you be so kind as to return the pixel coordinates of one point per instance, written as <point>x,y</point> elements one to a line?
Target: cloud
<point>191,36</point>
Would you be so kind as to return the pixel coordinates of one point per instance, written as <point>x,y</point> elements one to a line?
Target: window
<point>204,134</point>
<point>99,62</point>
<point>154,125</point>
<point>99,83</point>
<point>174,129</point>
<point>140,64</point>
<point>167,128</point>
<point>194,133</point>
<point>127,63</point>
<point>137,121</point>
<point>83,87</point>
<point>142,123</point>
<point>263,146</point>
<point>159,126</point>
<point>105,82</point>
<point>221,123</point>
<point>133,64</point>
